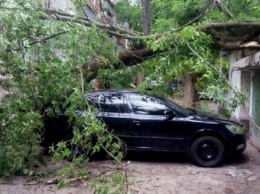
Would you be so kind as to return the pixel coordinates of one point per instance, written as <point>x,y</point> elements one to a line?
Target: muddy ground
<point>151,173</point>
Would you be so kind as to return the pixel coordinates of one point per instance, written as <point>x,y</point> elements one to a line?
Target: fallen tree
<point>52,54</point>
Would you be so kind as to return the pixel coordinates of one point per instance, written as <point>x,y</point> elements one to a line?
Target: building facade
<point>239,44</point>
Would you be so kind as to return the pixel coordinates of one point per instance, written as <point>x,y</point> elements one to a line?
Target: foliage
<point>113,184</point>
<point>192,52</point>
<point>170,14</point>
<point>16,148</point>
<point>119,78</point>
<point>46,63</point>
<point>129,13</point>
<point>174,62</point>
<point>48,74</point>
<point>244,10</point>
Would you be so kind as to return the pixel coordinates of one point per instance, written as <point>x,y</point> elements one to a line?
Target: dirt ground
<point>160,174</point>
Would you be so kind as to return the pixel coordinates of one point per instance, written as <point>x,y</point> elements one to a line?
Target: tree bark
<point>188,91</point>
<point>146,16</point>
<point>227,35</point>
<point>140,78</point>
<point>146,20</point>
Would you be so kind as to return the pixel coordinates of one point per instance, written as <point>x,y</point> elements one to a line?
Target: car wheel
<point>207,151</point>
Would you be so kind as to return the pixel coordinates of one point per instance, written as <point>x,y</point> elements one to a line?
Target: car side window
<point>142,104</point>
<point>113,102</point>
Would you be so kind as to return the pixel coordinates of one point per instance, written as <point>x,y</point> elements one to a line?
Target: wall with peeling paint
<point>245,76</point>
<point>255,108</point>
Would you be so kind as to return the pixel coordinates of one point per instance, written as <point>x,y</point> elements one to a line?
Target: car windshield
<point>179,108</point>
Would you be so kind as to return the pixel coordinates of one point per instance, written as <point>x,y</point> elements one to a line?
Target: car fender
<point>207,132</point>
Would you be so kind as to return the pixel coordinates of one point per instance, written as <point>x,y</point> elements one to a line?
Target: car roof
<point>113,90</point>
<point>125,91</point>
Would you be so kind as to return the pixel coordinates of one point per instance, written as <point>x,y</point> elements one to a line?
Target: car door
<point>150,127</point>
<point>114,111</point>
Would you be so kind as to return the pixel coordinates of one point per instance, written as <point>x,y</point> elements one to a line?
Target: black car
<point>151,123</point>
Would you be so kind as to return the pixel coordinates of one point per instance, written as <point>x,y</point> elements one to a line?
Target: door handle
<point>136,122</point>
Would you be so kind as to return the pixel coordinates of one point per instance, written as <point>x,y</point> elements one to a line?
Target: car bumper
<point>238,143</point>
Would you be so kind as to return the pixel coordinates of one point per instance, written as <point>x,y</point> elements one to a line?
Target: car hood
<point>212,117</point>
<point>205,114</point>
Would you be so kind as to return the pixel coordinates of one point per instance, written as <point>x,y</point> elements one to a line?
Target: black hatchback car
<point>151,123</point>
<point>158,124</point>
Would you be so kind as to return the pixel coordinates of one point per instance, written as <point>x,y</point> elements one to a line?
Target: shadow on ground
<point>157,157</point>
<point>178,158</point>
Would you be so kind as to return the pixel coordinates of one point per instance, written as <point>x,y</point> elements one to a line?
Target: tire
<point>207,151</point>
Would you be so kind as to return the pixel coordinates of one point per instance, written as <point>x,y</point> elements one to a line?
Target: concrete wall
<point>235,77</point>
<point>241,63</point>
<point>241,80</point>
<point>64,5</point>
<point>90,13</point>
<point>245,76</point>
<point>255,108</point>
<point>246,88</point>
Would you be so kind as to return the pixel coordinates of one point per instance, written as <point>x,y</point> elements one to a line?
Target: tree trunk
<point>188,91</point>
<point>146,16</point>
<point>146,20</point>
<point>140,78</point>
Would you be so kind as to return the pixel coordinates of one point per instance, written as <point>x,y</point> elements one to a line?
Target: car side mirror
<point>169,115</point>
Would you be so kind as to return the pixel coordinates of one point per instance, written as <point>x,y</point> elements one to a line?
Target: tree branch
<point>195,19</point>
<point>215,69</point>
<point>104,27</point>
<point>37,41</point>
<point>231,24</point>
<point>224,9</point>
<point>88,22</point>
